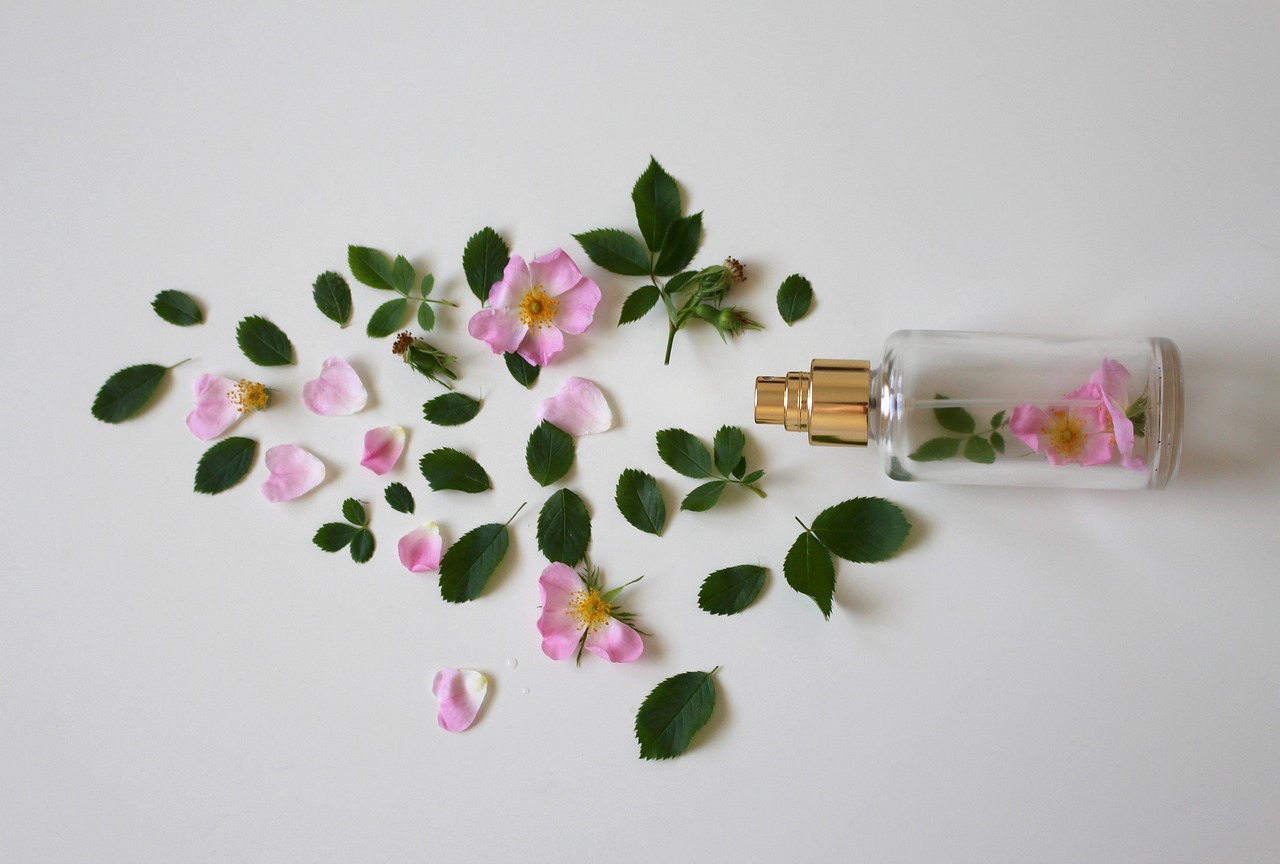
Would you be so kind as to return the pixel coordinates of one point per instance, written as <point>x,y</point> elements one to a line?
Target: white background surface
<point>1040,676</point>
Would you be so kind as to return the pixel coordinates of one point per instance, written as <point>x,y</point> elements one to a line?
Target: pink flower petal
<point>578,306</point>
<point>337,391</point>
<point>461,692</point>
<point>1111,379</point>
<point>382,448</point>
<point>541,344</point>
<point>555,272</point>
<point>1025,422</point>
<point>420,548</point>
<point>509,290</point>
<point>616,642</point>
<point>560,632</point>
<point>500,328</point>
<point>578,408</point>
<point>214,412</point>
<point>294,472</point>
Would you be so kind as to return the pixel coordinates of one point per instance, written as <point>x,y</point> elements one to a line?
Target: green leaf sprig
<point>333,536</point>
<point>224,465</point>
<point>177,308</point>
<point>674,712</point>
<point>372,268</point>
<point>128,391</point>
<point>687,455</point>
<point>467,564</point>
<point>977,446</point>
<point>425,359</point>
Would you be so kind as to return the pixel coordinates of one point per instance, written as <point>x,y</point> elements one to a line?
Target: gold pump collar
<point>831,401</point>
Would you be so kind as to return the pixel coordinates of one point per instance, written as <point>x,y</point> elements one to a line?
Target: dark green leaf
<point>673,712</point>
<point>426,317</point>
<point>263,342</point>
<point>483,260</point>
<point>704,497</point>
<point>640,501</point>
<point>362,546</point>
<point>935,449</point>
<point>729,591</point>
<point>657,200</point>
<point>451,409</point>
<point>428,282</point>
<point>467,564</point>
<point>997,442</point>
<point>333,297</point>
<point>997,420</point>
<point>616,251</point>
<point>684,453</point>
<point>954,419</point>
<point>525,373</point>
<point>387,318</point>
<point>399,497</point>
<point>402,276</point>
<point>224,465</point>
<point>353,512</point>
<point>370,267</point>
<point>333,536</point>
<point>447,468</point>
<point>177,308</point>
<point>681,281</point>
<point>728,446</point>
<point>794,297</point>
<point>127,392</point>
<point>638,304</point>
<point>862,529</point>
<point>564,528</point>
<point>809,570</point>
<point>680,245</point>
<point>549,453</point>
<point>753,477</point>
<point>979,450</point>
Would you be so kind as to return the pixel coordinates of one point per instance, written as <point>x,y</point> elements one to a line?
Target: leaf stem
<point>515,514</point>
<point>434,300</point>
<point>176,365</point>
<point>806,528</point>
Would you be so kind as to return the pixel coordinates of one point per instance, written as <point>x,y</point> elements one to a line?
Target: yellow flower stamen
<point>537,309</point>
<point>588,609</point>
<point>1065,433</point>
<point>248,396</point>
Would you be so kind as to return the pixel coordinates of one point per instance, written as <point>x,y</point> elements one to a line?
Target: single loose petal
<point>382,448</point>
<point>578,408</point>
<point>294,472</point>
<point>501,329</point>
<point>460,692</point>
<point>555,272</point>
<point>578,307</point>
<point>540,345</point>
<point>509,290</point>
<point>560,632</point>
<point>420,548</point>
<point>616,642</point>
<point>337,391</point>
<point>214,412</point>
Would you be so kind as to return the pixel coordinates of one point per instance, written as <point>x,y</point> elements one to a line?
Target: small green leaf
<point>640,501</point>
<point>387,318</point>
<point>979,450</point>
<point>399,497</point>
<point>263,342</point>
<point>657,200</point>
<point>428,283</point>
<point>809,570</point>
<point>426,317</point>
<point>333,536</point>
<point>680,281</point>
<point>362,546</point>
<point>451,409</point>
<point>564,528</point>
<point>729,591</point>
<point>673,713</point>
<point>616,251</point>
<point>447,468</point>
<point>684,453</point>
<point>333,297</point>
<point>353,512</point>
<point>638,304</point>
<point>224,465</point>
<point>997,442</point>
<point>402,276</point>
<point>862,529</point>
<point>997,420</point>
<point>954,419</point>
<point>525,373</point>
<point>704,497</point>
<point>177,308</point>
<point>467,564</point>
<point>753,477</point>
<point>794,297</point>
<point>935,449</point>
<point>728,446</point>
<point>370,267</point>
<point>549,453</point>
<point>679,245</point>
<point>127,392</point>
<point>483,260</point>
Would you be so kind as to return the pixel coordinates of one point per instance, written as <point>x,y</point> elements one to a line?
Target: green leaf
<point>387,318</point>
<point>684,453</point>
<point>370,267</point>
<point>729,591</point>
<point>862,529</point>
<point>728,446</point>
<point>428,282</point>
<point>704,497</point>
<point>525,373</point>
<point>657,200</point>
<point>954,419</point>
<point>638,304</point>
<point>794,297</point>
<point>399,497</point>
<point>451,409</point>
<point>680,281</point>
<point>333,297</point>
<point>616,251</point>
<point>333,536</point>
<point>753,477</point>
<point>224,465</point>
<point>549,453</point>
<point>640,501</point>
<point>426,317</point>
<point>483,260</point>
<point>127,392</point>
<point>809,570</point>
<point>467,564</point>
<point>263,342</point>
<point>997,420</point>
<point>353,512</point>
<point>362,546</point>
<point>997,442</point>
<point>447,468</point>
<point>402,276</point>
<point>177,308</point>
<point>564,528</point>
<point>980,450</point>
<point>679,245</point>
<point>673,712</point>
<point>935,449</point>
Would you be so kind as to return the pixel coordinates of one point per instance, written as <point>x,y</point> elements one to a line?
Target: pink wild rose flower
<point>577,615</point>
<point>1085,431</point>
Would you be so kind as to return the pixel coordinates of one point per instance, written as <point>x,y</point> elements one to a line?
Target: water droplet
<point>525,691</point>
<point>513,662</point>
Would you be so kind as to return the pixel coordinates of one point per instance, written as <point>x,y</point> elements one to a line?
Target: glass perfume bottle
<point>997,408</point>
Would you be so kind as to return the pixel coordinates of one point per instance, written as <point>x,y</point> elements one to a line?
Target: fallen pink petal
<point>338,390</point>
<point>420,549</point>
<point>460,693</point>
<point>294,472</point>
<point>382,448</point>
<point>214,412</point>
<point>578,408</point>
